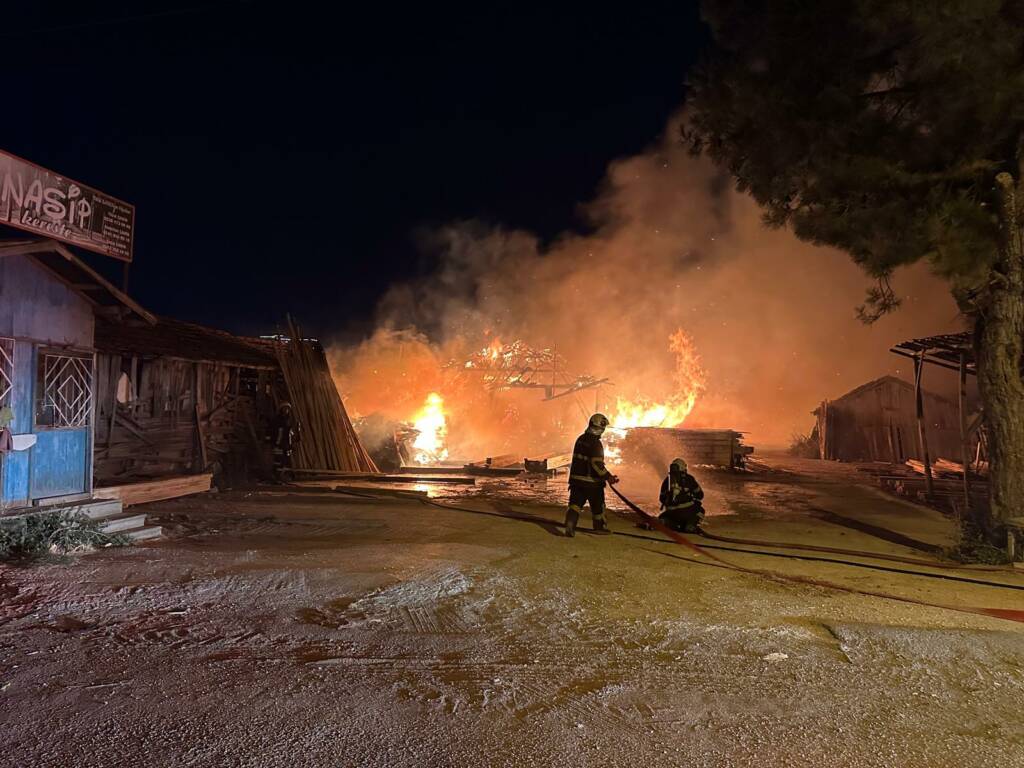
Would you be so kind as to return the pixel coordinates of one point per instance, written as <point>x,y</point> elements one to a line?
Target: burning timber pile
<point>513,399</point>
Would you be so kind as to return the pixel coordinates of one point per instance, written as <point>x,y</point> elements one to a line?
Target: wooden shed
<point>176,398</point>
<point>877,421</point>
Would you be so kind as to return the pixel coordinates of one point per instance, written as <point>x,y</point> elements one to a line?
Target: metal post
<point>964,453</point>
<point>922,432</point>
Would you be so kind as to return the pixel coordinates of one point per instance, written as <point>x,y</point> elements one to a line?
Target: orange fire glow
<point>494,349</point>
<point>432,424</point>
<point>689,380</point>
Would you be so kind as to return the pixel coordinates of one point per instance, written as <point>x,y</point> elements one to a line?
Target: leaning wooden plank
<point>156,490</point>
<point>328,439</point>
<point>201,439</point>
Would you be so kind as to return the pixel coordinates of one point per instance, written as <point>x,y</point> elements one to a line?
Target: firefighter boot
<point>572,516</point>
<point>601,525</point>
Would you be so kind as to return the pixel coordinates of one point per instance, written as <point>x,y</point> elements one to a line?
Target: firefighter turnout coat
<point>587,469</point>
<point>680,493</point>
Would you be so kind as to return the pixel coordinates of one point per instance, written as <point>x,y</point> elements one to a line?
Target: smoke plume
<point>670,245</point>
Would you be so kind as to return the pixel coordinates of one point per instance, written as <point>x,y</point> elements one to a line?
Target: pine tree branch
<point>881,300</point>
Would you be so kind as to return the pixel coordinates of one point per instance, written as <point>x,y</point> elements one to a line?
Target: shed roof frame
<point>90,285</point>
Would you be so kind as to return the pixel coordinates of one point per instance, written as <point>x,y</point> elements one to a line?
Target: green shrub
<point>53,532</point>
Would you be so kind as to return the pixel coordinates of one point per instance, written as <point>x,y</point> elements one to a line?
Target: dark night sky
<point>281,156</point>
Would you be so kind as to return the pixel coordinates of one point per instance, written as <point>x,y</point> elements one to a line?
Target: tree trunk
<point>999,338</point>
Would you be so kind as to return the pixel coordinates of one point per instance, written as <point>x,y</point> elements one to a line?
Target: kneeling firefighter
<point>681,497</point>
<point>587,477</point>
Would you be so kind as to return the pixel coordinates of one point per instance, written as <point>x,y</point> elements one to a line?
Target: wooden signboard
<point>45,203</point>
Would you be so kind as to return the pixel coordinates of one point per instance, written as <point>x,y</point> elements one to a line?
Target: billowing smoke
<point>670,246</point>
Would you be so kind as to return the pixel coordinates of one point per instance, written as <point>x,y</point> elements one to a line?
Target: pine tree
<point>893,130</point>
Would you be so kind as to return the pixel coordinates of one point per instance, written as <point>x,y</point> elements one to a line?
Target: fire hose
<point>645,517</point>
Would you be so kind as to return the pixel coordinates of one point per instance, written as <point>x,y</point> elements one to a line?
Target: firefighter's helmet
<point>598,424</point>
<point>679,465</point>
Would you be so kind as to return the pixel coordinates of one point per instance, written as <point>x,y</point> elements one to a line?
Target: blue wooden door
<point>60,460</point>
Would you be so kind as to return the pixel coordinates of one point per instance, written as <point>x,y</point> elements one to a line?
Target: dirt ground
<point>313,629</point>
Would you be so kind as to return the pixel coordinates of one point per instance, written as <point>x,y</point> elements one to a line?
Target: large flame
<point>689,381</point>
<point>431,424</point>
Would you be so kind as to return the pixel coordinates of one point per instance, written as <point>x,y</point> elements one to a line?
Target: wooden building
<point>99,393</point>
<point>50,301</point>
<point>175,398</point>
<point>877,421</point>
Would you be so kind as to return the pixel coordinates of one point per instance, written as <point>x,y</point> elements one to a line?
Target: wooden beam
<point>219,406</point>
<point>155,490</point>
<point>975,424</point>
<point>929,360</point>
<point>23,246</point>
<point>122,297</point>
<point>201,437</point>
<point>922,431</point>
<point>964,449</point>
<point>124,422</point>
<point>200,434</point>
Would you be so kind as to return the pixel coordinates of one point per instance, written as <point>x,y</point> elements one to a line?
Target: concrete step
<point>101,508</point>
<point>126,521</point>
<point>96,510</point>
<point>145,534</point>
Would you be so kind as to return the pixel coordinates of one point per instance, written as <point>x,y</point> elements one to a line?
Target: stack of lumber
<point>658,446</point>
<point>946,468</point>
<point>155,490</point>
<point>328,439</point>
<point>504,461</point>
<point>548,462</point>
<point>504,465</point>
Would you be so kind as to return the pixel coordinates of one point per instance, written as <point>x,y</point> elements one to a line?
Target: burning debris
<point>485,401</point>
<point>520,366</point>
<point>690,382</point>
<point>430,443</point>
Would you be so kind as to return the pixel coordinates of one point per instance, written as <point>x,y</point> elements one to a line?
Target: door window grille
<point>6,371</point>
<point>65,391</point>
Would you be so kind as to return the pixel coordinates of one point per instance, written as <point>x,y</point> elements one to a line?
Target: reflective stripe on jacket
<point>587,466</point>
<point>680,492</point>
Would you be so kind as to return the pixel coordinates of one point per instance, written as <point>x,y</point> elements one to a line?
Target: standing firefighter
<point>587,477</point>
<point>284,434</point>
<point>681,497</point>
